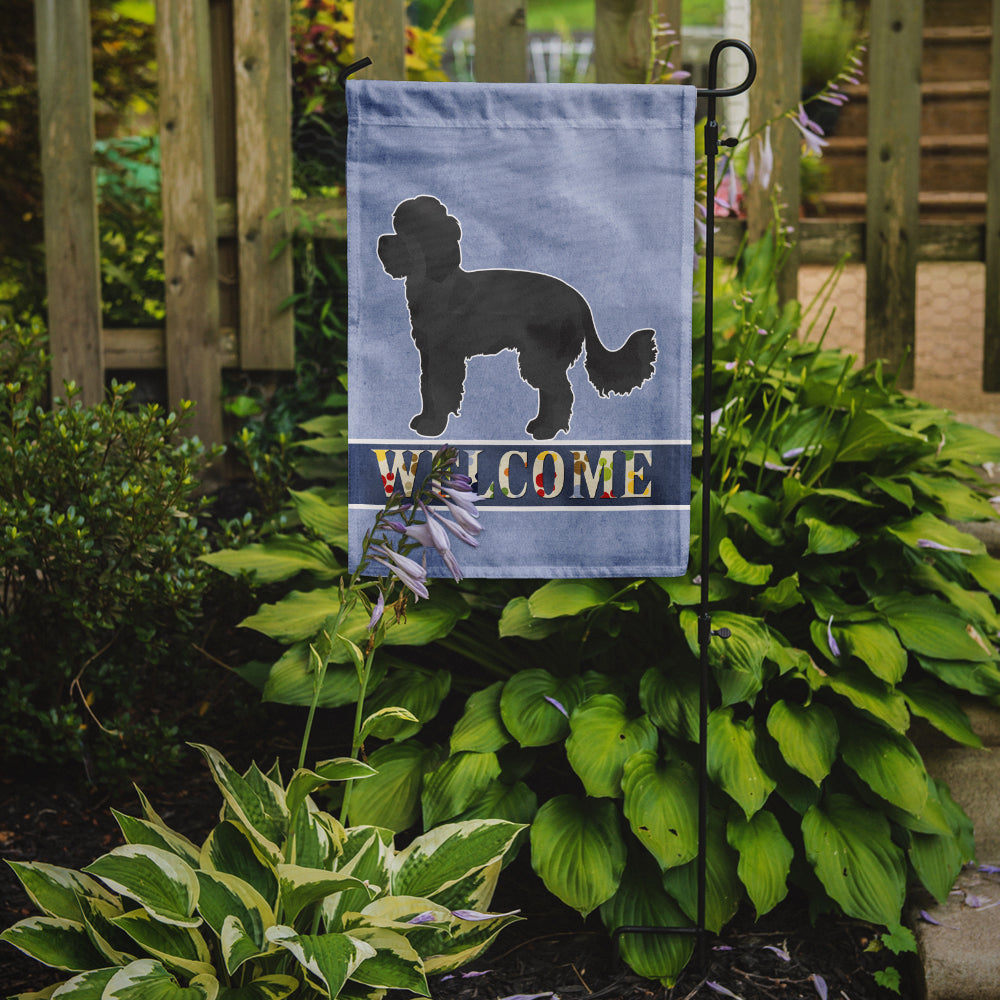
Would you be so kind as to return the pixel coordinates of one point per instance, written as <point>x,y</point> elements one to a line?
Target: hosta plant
<point>279,900</point>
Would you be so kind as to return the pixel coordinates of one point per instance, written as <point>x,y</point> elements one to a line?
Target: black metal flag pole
<point>705,631</point>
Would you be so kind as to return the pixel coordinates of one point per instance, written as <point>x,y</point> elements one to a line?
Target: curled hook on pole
<point>353,68</point>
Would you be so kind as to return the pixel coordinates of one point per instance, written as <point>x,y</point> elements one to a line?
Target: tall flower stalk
<point>441,507</point>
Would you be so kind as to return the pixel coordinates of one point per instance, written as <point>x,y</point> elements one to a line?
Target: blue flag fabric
<point>520,261</point>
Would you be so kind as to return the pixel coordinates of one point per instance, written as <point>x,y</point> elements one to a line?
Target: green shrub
<point>99,540</point>
<point>854,604</point>
<point>279,900</point>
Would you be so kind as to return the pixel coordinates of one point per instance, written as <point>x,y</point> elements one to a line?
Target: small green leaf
<point>559,598</point>
<point>765,858</point>
<point>279,558</point>
<point>807,736</point>
<point>481,727</point>
<point>732,760</point>
<point>828,539</point>
<point>517,620</point>
<point>327,520</point>
<point>739,569</point>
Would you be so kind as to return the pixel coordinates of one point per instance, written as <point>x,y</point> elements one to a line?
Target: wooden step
<point>956,53</point>
<point>947,162</point>
<point>957,206</point>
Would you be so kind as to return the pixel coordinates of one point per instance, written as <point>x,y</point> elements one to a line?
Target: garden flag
<point>520,261</point>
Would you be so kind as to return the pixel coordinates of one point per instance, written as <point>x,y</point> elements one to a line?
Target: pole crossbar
<point>705,630</point>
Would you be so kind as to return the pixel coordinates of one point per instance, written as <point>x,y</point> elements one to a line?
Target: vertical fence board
<point>776,35</point>
<point>669,11</point>
<point>190,254</point>
<point>622,40</point>
<point>262,60</point>
<point>991,333</point>
<point>380,34</point>
<point>501,38</point>
<point>893,183</point>
<point>72,257</point>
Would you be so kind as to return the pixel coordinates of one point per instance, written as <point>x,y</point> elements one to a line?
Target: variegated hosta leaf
<point>300,887</point>
<point>535,706</point>
<point>367,853</point>
<point>723,889</point>
<point>86,986</point>
<point>116,947</point>
<point>765,858</point>
<point>158,880</point>
<point>230,849</point>
<point>578,851</point>
<point>642,902</point>
<point>602,737</point>
<point>225,897</point>
<point>273,987</point>
<point>315,838</point>
<point>391,799</point>
<point>468,939</point>
<point>54,941</point>
<point>304,782</point>
<point>456,784</point>
<point>481,727</point>
<point>256,801</point>
<point>661,799</point>
<point>807,736</point>
<point>888,763</point>
<point>732,760</point>
<point>141,831</point>
<point>850,847</point>
<point>441,857</point>
<point>329,959</point>
<point>146,979</point>
<point>395,964</point>
<point>56,891</point>
<point>177,947</point>
<point>476,890</point>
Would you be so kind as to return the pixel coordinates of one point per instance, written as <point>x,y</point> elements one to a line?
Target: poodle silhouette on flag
<point>456,315</point>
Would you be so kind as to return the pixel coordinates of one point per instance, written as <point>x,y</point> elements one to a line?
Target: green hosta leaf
<point>515,803</point>
<point>180,948</point>
<point>292,681</point>
<point>327,520</point>
<point>661,798</point>
<point>391,798</point>
<point>928,528</point>
<point>865,692</point>
<point>280,557</point>
<point>738,661</point>
<point>56,891</point>
<point>147,979</point>
<point>481,728</point>
<point>578,851</point>
<point>418,690</point>
<point>641,901</point>
<point>159,881</point>
<point>893,488</point>
<point>395,964</point>
<point>671,699</point>
<point>941,709</point>
<point>765,858</point>
<point>931,628</point>
<point>828,539</point>
<point>976,678</point>
<point>870,435</point>
<point>528,710</point>
<point>783,595</point>
<point>141,831</point>
<point>261,809</point>
<point>723,889</point>
<point>274,987</point>
<point>807,736</point>
<point>230,849</point>
<point>732,760</point>
<point>330,959</point>
<point>386,723</point>
<point>301,887</point>
<point>850,847</point>
<point>456,784</point>
<point>438,859</point>
<point>986,571</point>
<point>739,569</point>
<point>965,443</point>
<point>876,646</point>
<point>976,605</point>
<point>517,620</point>
<point>937,860</point>
<point>54,941</point>
<point>888,763</point>
<point>683,591</point>
<point>602,738</point>
<point>558,598</point>
<point>225,897</point>
<point>957,501</point>
<point>758,511</point>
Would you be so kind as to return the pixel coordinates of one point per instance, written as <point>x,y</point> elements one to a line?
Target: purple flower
<point>927,543</point>
<point>475,915</point>
<point>427,917</point>
<point>558,705</point>
<point>834,648</point>
<point>820,983</point>
<point>377,611</point>
<point>761,163</point>
<point>811,132</point>
<point>463,498</point>
<point>719,988</point>
<point>780,952</point>
<point>462,518</point>
<point>458,530</point>
<point>410,573</point>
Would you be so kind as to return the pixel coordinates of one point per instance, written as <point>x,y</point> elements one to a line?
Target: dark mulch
<point>552,951</point>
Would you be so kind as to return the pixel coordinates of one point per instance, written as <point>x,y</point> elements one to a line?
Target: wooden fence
<point>226,161</point>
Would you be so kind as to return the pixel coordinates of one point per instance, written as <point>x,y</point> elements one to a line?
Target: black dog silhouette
<point>456,315</point>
